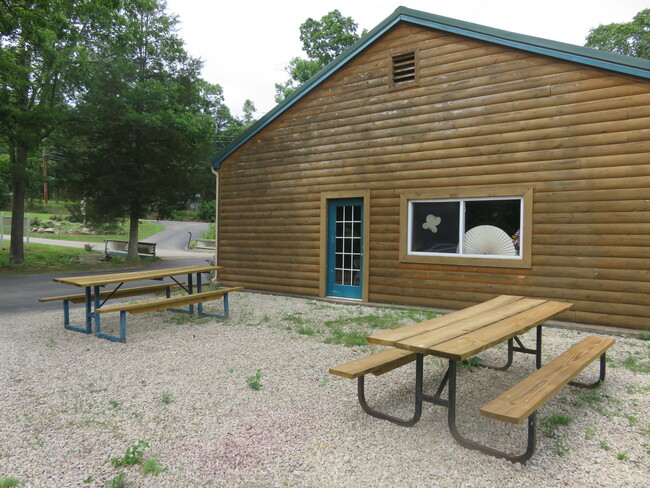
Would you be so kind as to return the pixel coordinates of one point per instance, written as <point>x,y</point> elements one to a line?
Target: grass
<point>167,398</point>
<point>354,331</point>
<point>383,319</point>
<point>42,259</point>
<point>151,466</point>
<point>551,427</point>
<point>633,364</point>
<point>347,338</point>
<point>9,482</point>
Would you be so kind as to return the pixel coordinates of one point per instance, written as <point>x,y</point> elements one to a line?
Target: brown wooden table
<point>94,299</point>
<point>461,335</point>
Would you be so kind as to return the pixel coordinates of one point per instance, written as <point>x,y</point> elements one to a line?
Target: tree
<point>249,113</point>
<point>629,38</point>
<point>323,41</point>
<point>40,46</point>
<point>144,127</point>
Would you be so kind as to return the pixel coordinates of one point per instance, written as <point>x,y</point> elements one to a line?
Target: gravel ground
<point>70,403</point>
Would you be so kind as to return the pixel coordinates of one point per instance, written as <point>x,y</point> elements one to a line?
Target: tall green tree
<point>41,46</point>
<point>144,126</point>
<point>322,41</point>
<point>628,38</point>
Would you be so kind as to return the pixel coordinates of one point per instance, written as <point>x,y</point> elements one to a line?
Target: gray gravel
<point>69,403</point>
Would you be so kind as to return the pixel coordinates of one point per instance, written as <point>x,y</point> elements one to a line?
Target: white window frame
<point>505,192</point>
<point>461,227</point>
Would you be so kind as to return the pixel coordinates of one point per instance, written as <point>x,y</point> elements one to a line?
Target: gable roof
<point>568,52</point>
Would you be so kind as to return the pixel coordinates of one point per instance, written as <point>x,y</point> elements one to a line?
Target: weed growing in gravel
<point>551,428</point>
<point>254,381</point>
<point>114,404</point>
<point>621,456</point>
<point>88,480</point>
<point>604,446</point>
<point>151,466</point>
<point>590,433</point>
<point>167,398</point>
<point>471,363</point>
<point>133,455</point>
<point>9,482</point>
<point>119,482</point>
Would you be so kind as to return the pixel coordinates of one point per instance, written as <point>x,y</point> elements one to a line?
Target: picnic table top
<point>112,278</point>
<point>464,333</point>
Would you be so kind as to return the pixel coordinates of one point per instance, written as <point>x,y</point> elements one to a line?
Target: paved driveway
<point>21,293</point>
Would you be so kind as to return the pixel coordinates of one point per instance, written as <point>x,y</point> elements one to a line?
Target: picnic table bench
<point>465,333</point>
<point>94,298</point>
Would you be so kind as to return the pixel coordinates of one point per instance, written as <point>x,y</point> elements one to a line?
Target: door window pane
<point>348,245</point>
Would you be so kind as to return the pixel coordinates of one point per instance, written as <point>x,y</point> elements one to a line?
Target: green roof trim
<point>568,52</point>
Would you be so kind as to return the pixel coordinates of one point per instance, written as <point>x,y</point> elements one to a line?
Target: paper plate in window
<point>487,239</point>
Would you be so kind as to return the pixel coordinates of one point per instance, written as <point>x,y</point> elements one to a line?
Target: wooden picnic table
<point>461,335</point>
<point>94,298</point>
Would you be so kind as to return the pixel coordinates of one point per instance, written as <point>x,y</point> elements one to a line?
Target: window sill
<point>520,263</point>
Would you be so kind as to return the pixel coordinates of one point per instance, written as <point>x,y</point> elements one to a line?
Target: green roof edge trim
<point>568,52</point>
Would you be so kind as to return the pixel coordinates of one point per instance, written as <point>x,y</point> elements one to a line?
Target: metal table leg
<point>396,420</point>
<point>469,444</point>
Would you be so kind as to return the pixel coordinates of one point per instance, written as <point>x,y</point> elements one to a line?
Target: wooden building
<point>441,163</point>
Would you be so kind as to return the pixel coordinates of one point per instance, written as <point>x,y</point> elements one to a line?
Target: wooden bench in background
<point>121,248</point>
<point>169,303</point>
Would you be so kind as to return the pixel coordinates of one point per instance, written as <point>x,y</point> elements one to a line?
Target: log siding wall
<point>479,115</point>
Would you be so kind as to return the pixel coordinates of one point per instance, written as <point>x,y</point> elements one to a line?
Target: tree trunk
<point>134,214</point>
<point>19,168</point>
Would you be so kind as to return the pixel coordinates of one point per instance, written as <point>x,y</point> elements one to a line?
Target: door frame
<point>325,198</point>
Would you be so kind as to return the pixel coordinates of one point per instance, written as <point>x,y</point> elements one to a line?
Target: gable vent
<point>404,67</point>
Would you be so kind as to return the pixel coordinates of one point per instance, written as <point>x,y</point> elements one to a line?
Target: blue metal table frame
<point>94,301</point>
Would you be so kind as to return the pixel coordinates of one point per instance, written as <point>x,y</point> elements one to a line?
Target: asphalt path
<point>173,241</point>
<point>20,293</point>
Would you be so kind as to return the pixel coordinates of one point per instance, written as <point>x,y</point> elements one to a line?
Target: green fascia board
<point>592,57</point>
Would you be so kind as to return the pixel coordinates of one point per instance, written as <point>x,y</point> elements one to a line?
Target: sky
<point>246,44</point>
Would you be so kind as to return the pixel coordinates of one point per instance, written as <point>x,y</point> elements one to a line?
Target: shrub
<point>206,211</point>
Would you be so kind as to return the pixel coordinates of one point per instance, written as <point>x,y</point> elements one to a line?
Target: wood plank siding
<point>480,114</point>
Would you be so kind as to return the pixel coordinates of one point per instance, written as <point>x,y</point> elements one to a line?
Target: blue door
<point>345,247</point>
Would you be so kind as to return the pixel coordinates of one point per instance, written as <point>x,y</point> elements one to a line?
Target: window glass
<point>434,226</point>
